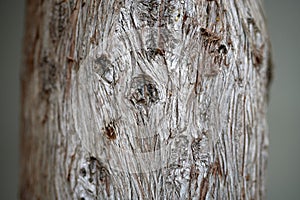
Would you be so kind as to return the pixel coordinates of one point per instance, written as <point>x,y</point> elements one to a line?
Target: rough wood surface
<point>144,99</point>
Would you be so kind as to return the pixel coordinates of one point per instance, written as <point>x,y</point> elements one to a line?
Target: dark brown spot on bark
<point>93,159</point>
<point>222,49</point>
<point>110,131</point>
<point>209,36</point>
<point>91,180</point>
<point>247,177</point>
<point>82,172</point>
<point>257,56</point>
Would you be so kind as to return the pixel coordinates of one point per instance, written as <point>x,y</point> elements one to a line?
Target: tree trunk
<point>144,99</point>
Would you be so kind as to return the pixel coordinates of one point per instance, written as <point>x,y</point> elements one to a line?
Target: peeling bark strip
<point>145,99</point>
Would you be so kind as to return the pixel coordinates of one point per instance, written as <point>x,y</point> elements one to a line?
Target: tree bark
<point>144,99</point>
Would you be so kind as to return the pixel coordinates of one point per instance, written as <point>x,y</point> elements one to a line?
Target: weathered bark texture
<point>144,99</point>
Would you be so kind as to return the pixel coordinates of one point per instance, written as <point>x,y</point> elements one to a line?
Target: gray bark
<point>144,99</point>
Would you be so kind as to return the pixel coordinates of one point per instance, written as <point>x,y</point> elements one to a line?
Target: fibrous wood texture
<point>144,99</point>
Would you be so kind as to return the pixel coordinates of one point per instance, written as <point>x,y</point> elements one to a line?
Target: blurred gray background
<point>284,109</point>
